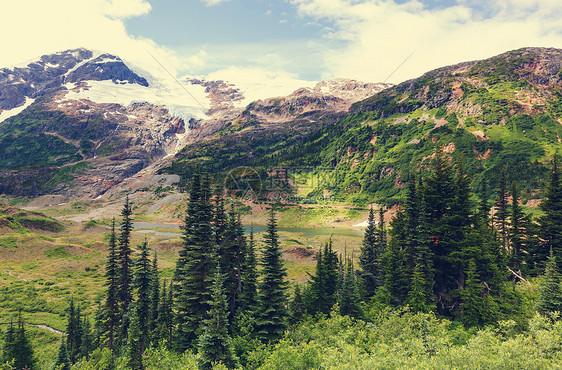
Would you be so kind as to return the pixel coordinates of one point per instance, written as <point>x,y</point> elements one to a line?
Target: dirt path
<point>16,276</point>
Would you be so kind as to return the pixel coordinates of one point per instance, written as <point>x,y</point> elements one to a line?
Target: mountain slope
<point>503,112</point>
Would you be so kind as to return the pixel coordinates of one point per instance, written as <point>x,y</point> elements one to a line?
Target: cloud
<point>380,34</point>
<point>213,2</point>
<point>258,83</point>
<point>37,27</point>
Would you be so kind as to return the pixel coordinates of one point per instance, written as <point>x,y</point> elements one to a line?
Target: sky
<point>281,41</point>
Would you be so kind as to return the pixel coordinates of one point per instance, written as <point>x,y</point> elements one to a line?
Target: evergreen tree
<point>516,230</point>
<point>417,294</point>
<point>368,259</point>
<point>125,262</point>
<point>134,348</point>
<point>381,249</point>
<point>165,315</point>
<point>111,316</point>
<point>248,296</point>
<point>86,345</point>
<point>322,289</point>
<point>296,308</point>
<point>22,355</point>
<point>272,313</point>
<point>349,299</point>
<point>195,278</point>
<point>8,350</point>
<point>142,283</point>
<point>215,344</point>
<point>502,211</point>
<point>231,259</point>
<point>154,300</point>
<point>63,361</point>
<point>396,281</point>
<point>550,298</point>
<point>473,313</point>
<point>551,222</point>
<point>484,206</point>
<point>189,225</point>
<point>74,332</point>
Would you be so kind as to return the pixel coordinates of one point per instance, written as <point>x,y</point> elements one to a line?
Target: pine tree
<point>550,298</point>
<point>248,297</point>
<point>381,249</point>
<point>125,262</point>
<point>484,206</point>
<point>189,223</point>
<point>272,313</point>
<point>321,292</point>
<point>368,259</point>
<point>215,344</point>
<point>195,278</point>
<point>86,345</point>
<point>110,321</point>
<point>551,222</point>
<point>165,315</point>
<point>74,332</point>
<point>349,299</point>
<point>417,294</point>
<point>134,348</point>
<point>296,308</point>
<point>516,229</point>
<point>154,299</point>
<point>23,355</point>
<point>502,211</point>
<point>473,313</point>
<point>142,283</point>
<point>8,350</point>
<point>63,361</point>
<point>231,260</point>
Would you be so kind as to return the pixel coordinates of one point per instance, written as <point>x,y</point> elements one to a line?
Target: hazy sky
<point>281,40</point>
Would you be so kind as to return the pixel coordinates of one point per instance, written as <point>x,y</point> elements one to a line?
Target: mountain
<point>80,122</point>
<point>500,113</point>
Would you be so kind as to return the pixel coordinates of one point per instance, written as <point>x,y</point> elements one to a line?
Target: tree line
<point>443,252</point>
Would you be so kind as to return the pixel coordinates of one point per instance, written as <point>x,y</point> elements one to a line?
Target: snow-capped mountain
<point>114,119</point>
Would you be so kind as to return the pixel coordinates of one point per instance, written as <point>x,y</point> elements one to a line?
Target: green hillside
<point>503,112</point>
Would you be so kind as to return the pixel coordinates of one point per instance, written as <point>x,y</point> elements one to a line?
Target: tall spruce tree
<point>248,297</point>
<point>215,344</point>
<point>125,262</point>
<point>296,307</point>
<point>8,349</point>
<point>87,340</point>
<point>74,332</point>
<point>23,355</point>
<point>195,277</point>
<point>111,316</point>
<point>134,347</point>
<point>142,283</point>
<point>154,299</point>
<point>272,312</point>
<point>349,299</point>
<point>551,222</point>
<point>165,322</point>
<point>502,211</point>
<point>550,298</point>
<point>63,361</point>
<point>368,259</point>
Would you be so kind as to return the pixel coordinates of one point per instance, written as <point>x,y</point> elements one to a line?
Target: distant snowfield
<point>185,101</point>
<point>12,112</point>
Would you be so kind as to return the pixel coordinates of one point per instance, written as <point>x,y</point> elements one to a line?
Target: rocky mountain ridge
<point>91,120</point>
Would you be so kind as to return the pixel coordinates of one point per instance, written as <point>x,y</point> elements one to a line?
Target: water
<point>307,232</point>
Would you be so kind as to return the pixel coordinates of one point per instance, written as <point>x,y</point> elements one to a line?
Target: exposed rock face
<point>327,99</point>
<point>82,106</point>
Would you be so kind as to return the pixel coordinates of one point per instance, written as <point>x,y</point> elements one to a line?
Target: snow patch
<point>189,101</point>
<point>15,111</point>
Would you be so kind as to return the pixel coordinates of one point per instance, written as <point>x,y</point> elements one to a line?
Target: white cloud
<point>37,27</point>
<point>259,83</point>
<point>380,34</point>
<point>213,2</point>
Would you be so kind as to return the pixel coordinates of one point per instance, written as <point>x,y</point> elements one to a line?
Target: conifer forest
<point>454,280</point>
